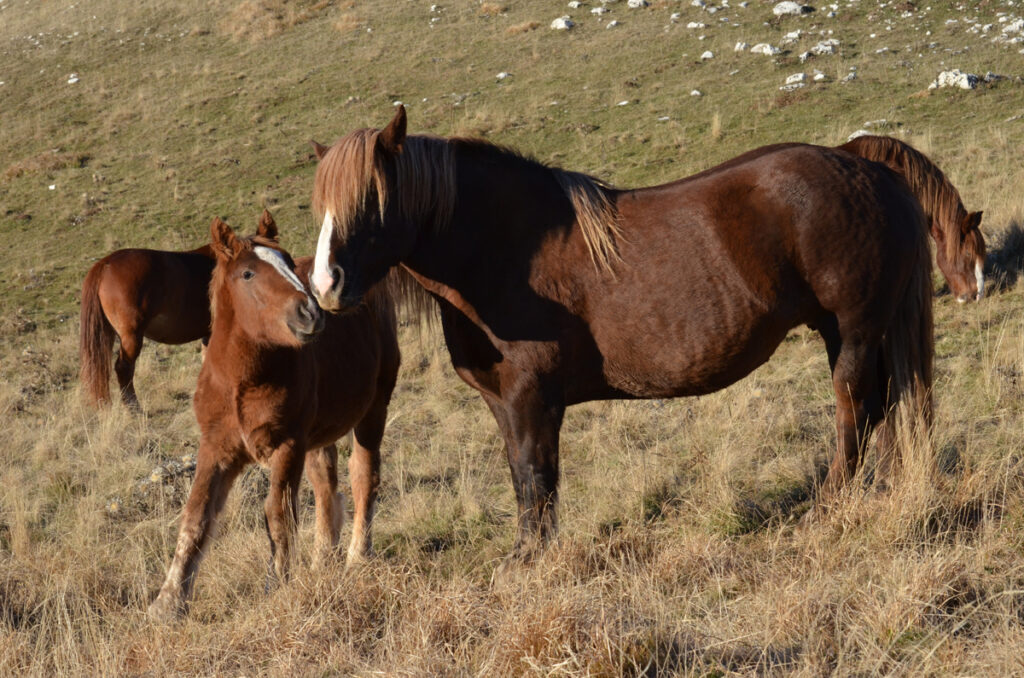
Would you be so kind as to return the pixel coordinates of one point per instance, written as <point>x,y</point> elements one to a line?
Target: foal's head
<point>962,261</point>
<point>255,285</point>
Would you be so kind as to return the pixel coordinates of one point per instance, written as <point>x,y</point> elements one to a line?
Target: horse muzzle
<point>307,321</point>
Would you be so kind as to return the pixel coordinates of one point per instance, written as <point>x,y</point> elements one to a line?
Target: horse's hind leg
<point>858,405</point>
<point>128,353</point>
<point>322,472</point>
<point>887,452</point>
<point>210,489</point>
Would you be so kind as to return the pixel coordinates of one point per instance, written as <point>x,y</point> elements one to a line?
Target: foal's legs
<point>531,429</point>
<point>364,475</point>
<point>213,480</point>
<point>285,473</point>
<point>322,471</point>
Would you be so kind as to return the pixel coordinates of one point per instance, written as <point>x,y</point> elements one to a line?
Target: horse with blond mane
<point>959,243</point>
<point>555,288</point>
<point>279,385</point>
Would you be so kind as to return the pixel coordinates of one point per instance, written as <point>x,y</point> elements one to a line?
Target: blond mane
<point>350,172</point>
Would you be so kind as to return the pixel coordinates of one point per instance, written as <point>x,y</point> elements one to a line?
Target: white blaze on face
<point>322,278</point>
<point>277,260</point>
<point>979,277</point>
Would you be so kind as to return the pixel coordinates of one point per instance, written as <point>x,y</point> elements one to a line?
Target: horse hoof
<point>164,610</point>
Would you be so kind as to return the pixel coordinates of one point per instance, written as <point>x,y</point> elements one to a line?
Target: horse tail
<point>96,339</point>
<point>908,353</point>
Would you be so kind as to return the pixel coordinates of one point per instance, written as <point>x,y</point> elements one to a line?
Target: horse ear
<point>319,149</point>
<point>223,240</point>
<point>393,136</point>
<point>972,221</point>
<point>267,227</point>
<point>937,234</point>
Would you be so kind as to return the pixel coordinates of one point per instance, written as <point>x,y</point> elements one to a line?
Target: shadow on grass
<point>660,654</point>
<point>1005,263</point>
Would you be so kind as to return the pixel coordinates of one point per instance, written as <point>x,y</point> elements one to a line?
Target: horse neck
<point>509,204</point>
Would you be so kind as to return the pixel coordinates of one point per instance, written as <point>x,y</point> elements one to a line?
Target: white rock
<point>792,36</point>
<point>858,133</point>
<point>765,48</point>
<point>73,78</point>
<point>825,47</point>
<point>676,16</point>
<point>791,8</point>
<point>637,4</point>
<point>52,187</point>
<point>850,77</point>
<point>740,47</point>
<point>955,78</point>
<point>792,86</point>
<point>1016,27</point>
<point>624,102</point>
<point>599,10</point>
<point>820,77</point>
<point>696,24</point>
<point>502,75</point>
<point>698,3</point>
<point>796,77</point>
<point>707,55</point>
<point>612,24</point>
<point>575,4</point>
<point>696,93</point>
<point>562,23</point>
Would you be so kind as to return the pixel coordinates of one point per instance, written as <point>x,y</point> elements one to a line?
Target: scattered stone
<point>676,16</point>
<point>624,102</point>
<point>850,77</point>
<point>575,4</point>
<point>599,10</point>
<point>791,37</point>
<point>766,49</point>
<point>1016,27</point>
<point>820,77</point>
<point>613,23</point>
<point>796,77</point>
<point>792,86</point>
<point>73,78</point>
<point>707,55</point>
<point>698,3</point>
<point>562,23</point>
<point>502,75</point>
<point>791,9</point>
<point>637,4</point>
<point>696,93</point>
<point>740,47</point>
<point>955,78</point>
<point>993,77</point>
<point>696,24</point>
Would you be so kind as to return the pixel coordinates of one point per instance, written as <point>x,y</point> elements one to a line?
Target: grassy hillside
<point>679,553</point>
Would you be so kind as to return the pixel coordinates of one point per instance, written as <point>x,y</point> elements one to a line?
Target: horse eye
<point>248,275</point>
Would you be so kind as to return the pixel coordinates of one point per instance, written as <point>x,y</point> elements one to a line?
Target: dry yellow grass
<point>680,552</point>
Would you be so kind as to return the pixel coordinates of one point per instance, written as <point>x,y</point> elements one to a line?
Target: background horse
<point>269,391</point>
<point>960,246</point>
<point>555,288</point>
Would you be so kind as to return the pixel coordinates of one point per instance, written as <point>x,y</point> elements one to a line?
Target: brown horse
<point>960,246</point>
<point>269,391</point>
<point>135,293</point>
<point>555,288</point>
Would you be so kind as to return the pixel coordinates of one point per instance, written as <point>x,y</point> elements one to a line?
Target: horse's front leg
<point>281,506</point>
<point>531,424</point>
<point>322,472</point>
<point>215,473</point>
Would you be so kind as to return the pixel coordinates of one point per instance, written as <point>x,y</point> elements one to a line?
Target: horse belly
<point>694,351</point>
<point>169,328</point>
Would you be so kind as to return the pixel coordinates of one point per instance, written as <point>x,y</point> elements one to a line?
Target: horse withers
<point>555,288</point>
<point>279,385</point>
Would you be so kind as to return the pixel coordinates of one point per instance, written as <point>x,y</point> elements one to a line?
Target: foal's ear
<point>223,240</point>
<point>937,235</point>
<point>267,227</point>
<point>393,136</point>
<point>319,149</point>
<point>972,221</point>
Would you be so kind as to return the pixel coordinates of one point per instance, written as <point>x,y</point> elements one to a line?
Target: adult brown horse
<point>959,244</point>
<point>556,289</point>
<point>269,391</point>
<point>133,294</point>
